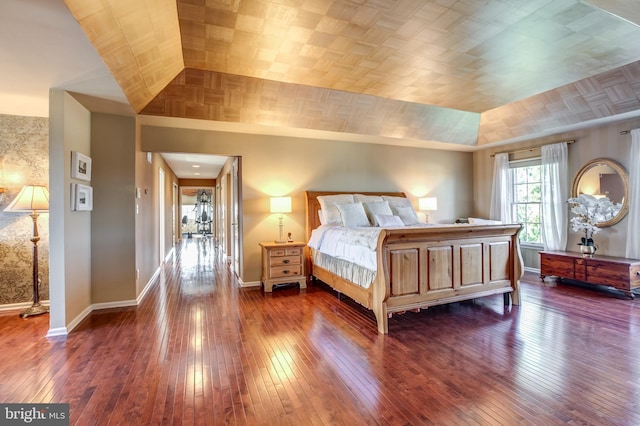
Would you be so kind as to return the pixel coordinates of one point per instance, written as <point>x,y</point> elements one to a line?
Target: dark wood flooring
<point>199,350</point>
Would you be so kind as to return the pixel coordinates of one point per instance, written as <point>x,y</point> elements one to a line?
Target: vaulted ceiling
<point>462,72</point>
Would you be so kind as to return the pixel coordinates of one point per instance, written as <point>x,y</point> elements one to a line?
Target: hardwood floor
<point>199,350</point>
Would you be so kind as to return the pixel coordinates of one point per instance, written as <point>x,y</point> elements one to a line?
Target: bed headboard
<point>312,221</point>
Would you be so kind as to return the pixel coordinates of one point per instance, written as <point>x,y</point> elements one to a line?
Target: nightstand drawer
<point>285,260</point>
<point>279,252</point>
<point>285,271</point>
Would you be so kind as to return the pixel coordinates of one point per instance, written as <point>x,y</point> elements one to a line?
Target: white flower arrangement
<point>589,211</point>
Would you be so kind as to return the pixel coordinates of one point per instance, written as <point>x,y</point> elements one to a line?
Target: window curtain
<point>502,189</point>
<point>554,188</point>
<point>633,241</point>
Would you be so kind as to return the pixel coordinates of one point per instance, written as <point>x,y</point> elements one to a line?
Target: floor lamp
<point>33,199</point>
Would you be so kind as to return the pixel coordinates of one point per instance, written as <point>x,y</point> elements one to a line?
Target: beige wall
<point>602,141</point>
<point>147,244</point>
<point>70,231</point>
<point>276,166</point>
<point>113,215</point>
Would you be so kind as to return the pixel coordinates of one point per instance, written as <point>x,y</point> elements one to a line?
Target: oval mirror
<point>604,178</point>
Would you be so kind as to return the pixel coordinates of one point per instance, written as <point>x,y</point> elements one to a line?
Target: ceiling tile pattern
<point>208,95</point>
<point>466,55</point>
<point>139,42</point>
<point>604,95</point>
<point>404,69</point>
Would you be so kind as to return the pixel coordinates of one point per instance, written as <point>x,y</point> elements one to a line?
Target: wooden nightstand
<point>282,263</point>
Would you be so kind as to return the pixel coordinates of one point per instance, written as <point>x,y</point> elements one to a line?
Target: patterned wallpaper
<point>24,159</point>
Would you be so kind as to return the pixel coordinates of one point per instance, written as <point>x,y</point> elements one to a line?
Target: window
<point>527,207</point>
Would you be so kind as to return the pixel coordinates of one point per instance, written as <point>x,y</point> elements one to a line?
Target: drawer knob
<point>285,272</point>
<point>285,261</point>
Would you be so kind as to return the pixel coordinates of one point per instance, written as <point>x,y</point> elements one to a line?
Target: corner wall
<point>69,231</point>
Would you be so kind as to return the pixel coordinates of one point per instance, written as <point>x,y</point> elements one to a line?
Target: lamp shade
<point>428,203</point>
<point>280,204</point>
<point>32,198</point>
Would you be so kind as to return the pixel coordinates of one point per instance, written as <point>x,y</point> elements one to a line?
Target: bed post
<point>518,269</point>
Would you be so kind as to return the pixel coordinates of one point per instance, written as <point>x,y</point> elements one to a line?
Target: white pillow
<point>361,198</point>
<point>353,214</point>
<point>478,221</point>
<point>407,214</point>
<point>377,208</point>
<point>323,221</point>
<point>328,206</point>
<point>397,201</point>
<point>388,220</point>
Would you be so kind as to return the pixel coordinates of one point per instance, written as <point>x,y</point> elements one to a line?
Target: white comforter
<point>357,245</point>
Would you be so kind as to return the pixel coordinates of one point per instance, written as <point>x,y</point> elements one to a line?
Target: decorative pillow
<point>388,220</point>
<point>397,201</point>
<point>377,208</point>
<point>361,198</point>
<point>478,221</point>
<point>353,214</point>
<point>407,214</point>
<point>329,209</point>
<point>323,221</point>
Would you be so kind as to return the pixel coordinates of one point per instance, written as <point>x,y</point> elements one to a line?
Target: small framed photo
<point>80,166</point>
<point>83,197</point>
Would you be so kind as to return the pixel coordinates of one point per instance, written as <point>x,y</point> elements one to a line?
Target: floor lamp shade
<point>280,205</point>
<point>32,199</point>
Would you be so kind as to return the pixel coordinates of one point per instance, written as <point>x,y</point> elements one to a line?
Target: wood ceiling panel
<point>226,97</point>
<point>607,94</point>
<point>139,42</point>
<point>417,69</point>
<point>498,50</point>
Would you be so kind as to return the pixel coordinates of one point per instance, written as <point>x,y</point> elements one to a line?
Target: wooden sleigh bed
<point>428,266</point>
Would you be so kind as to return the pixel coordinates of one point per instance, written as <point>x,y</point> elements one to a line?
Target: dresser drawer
<point>286,271</point>
<point>285,260</point>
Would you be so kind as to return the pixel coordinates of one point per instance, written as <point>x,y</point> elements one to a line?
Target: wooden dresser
<point>618,272</point>
<point>282,263</point>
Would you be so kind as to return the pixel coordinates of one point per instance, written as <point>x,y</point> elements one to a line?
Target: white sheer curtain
<point>554,171</point>
<point>502,189</point>
<point>633,241</point>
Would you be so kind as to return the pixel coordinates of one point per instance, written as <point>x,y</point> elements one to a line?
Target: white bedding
<point>349,253</point>
<point>357,245</point>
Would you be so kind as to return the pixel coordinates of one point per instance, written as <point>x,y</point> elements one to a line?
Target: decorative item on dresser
<point>617,272</point>
<point>282,264</point>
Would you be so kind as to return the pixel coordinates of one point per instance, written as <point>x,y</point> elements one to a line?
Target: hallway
<point>199,350</point>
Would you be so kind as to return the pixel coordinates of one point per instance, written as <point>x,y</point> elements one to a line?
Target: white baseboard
<point>147,287</point>
<point>63,331</point>
<point>22,305</point>
<point>534,270</point>
<point>249,284</point>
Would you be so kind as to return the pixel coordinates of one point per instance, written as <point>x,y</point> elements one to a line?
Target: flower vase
<point>587,251</point>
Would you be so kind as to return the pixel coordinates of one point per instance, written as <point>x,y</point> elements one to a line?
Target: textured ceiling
<point>440,70</point>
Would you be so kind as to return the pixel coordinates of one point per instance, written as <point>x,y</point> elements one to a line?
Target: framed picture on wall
<point>83,197</point>
<point>80,166</point>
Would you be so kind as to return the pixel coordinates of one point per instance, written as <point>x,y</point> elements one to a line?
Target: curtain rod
<point>528,149</point>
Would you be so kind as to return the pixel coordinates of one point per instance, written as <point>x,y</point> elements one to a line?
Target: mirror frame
<point>625,180</point>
